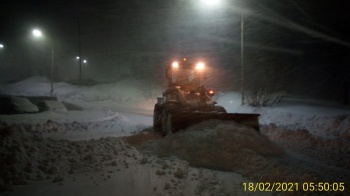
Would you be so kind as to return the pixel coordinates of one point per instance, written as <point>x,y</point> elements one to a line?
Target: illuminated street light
<point>81,61</point>
<point>37,33</point>
<point>211,2</point>
<point>2,46</point>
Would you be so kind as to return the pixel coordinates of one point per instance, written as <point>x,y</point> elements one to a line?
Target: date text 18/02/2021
<point>293,186</point>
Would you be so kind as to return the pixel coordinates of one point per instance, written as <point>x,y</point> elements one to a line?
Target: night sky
<point>301,45</point>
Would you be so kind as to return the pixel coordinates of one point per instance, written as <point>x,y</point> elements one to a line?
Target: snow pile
<point>126,94</point>
<point>332,152</point>
<point>97,166</point>
<point>226,146</point>
<point>116,126</point>
<point>27,156</point>
<point>23,105</point>
<point>298,156</point>
<point>320,125</point>
<point>313,154</point>
<point>50,105</point>
<point>62,117</point>
<point>33,86</point>
<point>322,119</point>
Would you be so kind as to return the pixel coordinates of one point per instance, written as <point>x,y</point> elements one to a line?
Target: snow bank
<point>310,153</point>
<point>322,119</point>
<point>50,105</point>
<point>333,152</point>
<point>27,155</point>
<point>225,146</point>
<point>81,125</point>
<point>298,156</point>
<point>33,86</point>
<point>124,94</point>
<point>23,105</point>
<point>106,166</point>
<point>62,117</point>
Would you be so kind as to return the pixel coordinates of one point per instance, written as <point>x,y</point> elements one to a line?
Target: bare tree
<point>267,84</point>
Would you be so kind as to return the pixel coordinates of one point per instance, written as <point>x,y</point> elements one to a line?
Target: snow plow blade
<point>183,120</point>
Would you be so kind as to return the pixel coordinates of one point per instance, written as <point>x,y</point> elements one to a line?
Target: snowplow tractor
<point>187,102</point>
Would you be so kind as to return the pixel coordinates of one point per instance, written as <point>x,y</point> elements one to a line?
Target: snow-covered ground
<point>108,147</point>
<point>129,94</point>
<point>321,118</point>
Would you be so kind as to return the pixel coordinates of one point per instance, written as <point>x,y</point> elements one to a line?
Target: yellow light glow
<point>200,66</point>
<point>175,64</point>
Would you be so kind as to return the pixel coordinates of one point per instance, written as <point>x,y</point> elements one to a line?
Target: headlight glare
<point>200,66</point>
<point>175,65</point>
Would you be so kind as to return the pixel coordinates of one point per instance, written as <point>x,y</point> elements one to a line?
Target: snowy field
<point>107,147</point>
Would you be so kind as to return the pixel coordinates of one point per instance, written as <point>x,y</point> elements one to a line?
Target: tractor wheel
<point>220,109</point>
<point>157,118</point>
<point>168,126</point>
<point>166,123</point>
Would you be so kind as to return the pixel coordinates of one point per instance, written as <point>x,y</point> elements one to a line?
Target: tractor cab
<point>185,80</point>
<point>185,75</point>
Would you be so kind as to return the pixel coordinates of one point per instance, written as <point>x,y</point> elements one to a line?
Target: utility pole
<point>79,50</point>
<point>242,54</point>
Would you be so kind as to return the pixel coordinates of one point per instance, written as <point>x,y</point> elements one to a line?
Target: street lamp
<point>2,46</point>
<point>210,6</point>
<point>84,61</point>
<point>211,2</point>
<point>37,33</point>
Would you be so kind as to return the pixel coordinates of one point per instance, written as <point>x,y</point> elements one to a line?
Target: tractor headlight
<point>175,65</point>
<point>200,66</point>
<point>211,92</point>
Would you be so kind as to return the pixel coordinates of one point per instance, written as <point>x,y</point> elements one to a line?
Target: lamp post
<point>37,33</point>
<point>216,3</point>
<point>242,54</point>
